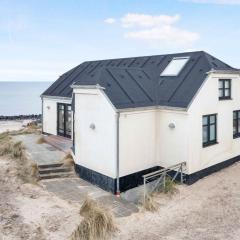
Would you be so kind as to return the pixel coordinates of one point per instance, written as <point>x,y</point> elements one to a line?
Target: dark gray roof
<point>136,82</point>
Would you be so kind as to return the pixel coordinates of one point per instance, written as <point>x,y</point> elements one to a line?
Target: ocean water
<point>18,98</point>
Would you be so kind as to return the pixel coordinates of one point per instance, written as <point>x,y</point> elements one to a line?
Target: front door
<point>64,120</point>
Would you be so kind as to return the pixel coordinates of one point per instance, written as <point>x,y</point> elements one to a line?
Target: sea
<point>21,98</point>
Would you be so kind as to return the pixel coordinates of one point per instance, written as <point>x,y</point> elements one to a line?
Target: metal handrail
<point>162,175</point>
<point>164,170</point>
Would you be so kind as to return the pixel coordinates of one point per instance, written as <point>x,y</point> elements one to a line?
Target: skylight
<point>175,66</point>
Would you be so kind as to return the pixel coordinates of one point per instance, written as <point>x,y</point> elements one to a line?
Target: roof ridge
<point>146,56</point>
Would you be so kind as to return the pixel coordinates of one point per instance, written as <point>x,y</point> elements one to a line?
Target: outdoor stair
<point>55,171</point>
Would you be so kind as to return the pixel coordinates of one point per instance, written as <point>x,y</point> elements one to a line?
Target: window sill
<point>209,144</point>
<point>223,99</point>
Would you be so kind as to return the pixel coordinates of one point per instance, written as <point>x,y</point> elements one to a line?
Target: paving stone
<point>76,190</point>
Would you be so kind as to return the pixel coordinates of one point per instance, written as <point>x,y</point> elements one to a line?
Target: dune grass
<point>41,140</point>
<point>97,223</point>
<point>68,160</point>
<point>26,169</point>
<point>150,203</point>
<point>170,186</point>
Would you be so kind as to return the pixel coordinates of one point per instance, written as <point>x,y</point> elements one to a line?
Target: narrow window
<point>236,124</point>
<point>209,129</point>
<point>224,89</point>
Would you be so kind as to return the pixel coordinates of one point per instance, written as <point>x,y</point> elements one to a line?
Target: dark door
<point>64,120</point>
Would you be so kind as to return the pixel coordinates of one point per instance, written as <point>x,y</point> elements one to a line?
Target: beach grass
<point>97,223</point>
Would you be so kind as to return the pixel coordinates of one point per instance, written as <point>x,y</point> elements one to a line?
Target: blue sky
<point>40,40</point>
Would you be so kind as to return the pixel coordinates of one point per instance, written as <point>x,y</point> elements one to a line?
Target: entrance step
<point>50,171</point>
<point>54,170</point>
<point>53,165</point>
<point>56,175</point>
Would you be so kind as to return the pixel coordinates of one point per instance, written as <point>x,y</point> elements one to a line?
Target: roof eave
<point>224,71</point>
<point>55,97</point>
<point>97,86</point>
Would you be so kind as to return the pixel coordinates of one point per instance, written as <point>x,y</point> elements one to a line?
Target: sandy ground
<point>12,125</point>
<point>207,210</point>
<point>27,211</point>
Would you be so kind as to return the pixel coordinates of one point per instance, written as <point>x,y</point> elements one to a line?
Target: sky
<point>40,40</point>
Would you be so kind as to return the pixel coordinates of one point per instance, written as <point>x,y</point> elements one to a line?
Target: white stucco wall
<point>146,140</point>
<point>50,113</point>
<point>207,102</point>
<point>95,149</point>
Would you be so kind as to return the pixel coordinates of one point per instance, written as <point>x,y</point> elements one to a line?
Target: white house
<point>132,116</point>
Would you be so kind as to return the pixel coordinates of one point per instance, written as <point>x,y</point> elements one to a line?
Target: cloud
<point>157,30</point>
<point>165,35</point>
<point>226,2</point>
<point>27,70</point>
<point>144,20</point>
<point>110,20</point>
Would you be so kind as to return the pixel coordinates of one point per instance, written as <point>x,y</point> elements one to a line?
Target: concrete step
<point>55,169</point>
<point>56,175</point>
<point>53,165</point>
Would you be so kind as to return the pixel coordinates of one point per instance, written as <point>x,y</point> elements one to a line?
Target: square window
<point>224,87</point>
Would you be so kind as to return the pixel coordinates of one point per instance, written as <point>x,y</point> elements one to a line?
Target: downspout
<point>117,153</point>
<point>42,114</point>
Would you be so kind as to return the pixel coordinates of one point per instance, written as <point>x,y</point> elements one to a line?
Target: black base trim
<point>96,178</point>
<point>194,177</point>
<point>110,184</point>
<point>135,179</point>
<point>45,133</point>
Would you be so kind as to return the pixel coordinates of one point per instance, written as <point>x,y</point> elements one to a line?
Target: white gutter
<point>97,86</point>
<point>56,97</point>
<point>224,71</point>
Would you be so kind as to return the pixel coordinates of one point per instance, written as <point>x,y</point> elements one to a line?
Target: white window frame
<point>164,74</point>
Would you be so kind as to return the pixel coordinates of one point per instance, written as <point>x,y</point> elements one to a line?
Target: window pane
<point>227,92</point>
<point>61,121</point>
<point>227,84</point>
<point>205,120</point>
<point>234,126</point>
<point>60,106</point>
<point>238,125</point>
<point>175,66</point>
<point>212,119</point>
<point>220,84</point>
<point>234,115</point>
<point>212,133</point>
<point>220,93</point>
<point>204,134</point>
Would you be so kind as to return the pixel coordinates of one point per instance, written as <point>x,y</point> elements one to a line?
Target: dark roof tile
<point>136,82</point>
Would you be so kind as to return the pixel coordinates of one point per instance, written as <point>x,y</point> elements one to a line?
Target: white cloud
<point>229,2</point>
<point>144,20</point>
<point>157,30</point>
<point>26,70</point>
<point>164,35</point>
<point>110,20</point>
